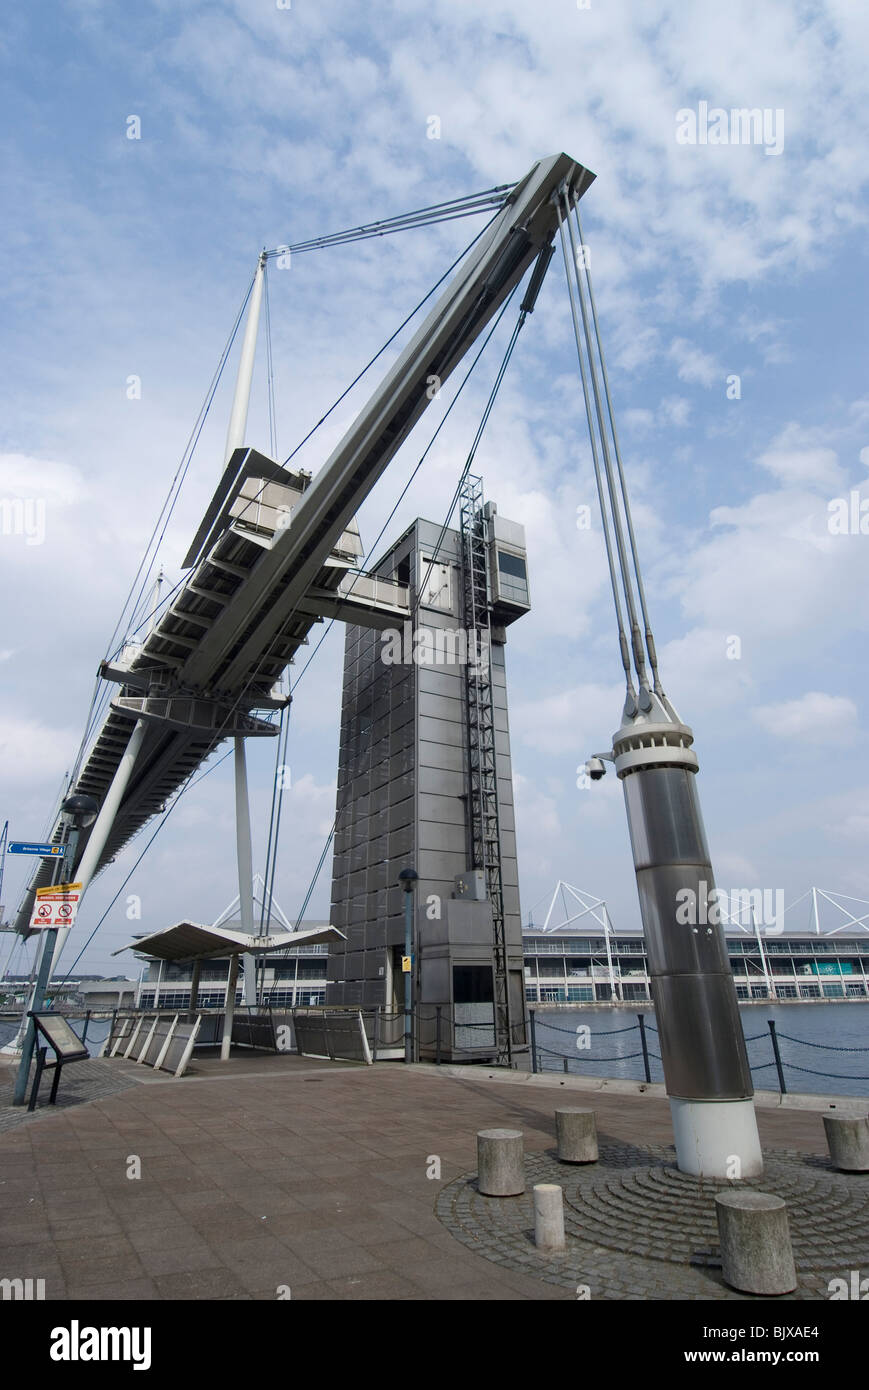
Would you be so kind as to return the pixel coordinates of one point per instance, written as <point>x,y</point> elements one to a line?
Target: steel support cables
<point>278,786</point>
<point>422,217</point>
<point>623,644</point>
<point>650,640</point>
<point>423,456</point>
<point>471,456</point>
<point>180,473</point>
<point>612,498</point>
<point>615,514</point>
<point>303,909</point>
<point>391,339</point>
<point>153,545</point>
<point>192,781</point>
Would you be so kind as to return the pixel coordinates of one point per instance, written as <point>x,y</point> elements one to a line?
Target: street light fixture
<point>81,809</point>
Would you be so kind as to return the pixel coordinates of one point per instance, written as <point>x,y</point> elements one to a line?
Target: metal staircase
<point>483,816</point>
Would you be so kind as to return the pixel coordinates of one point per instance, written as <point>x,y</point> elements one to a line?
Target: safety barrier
<point>363,1035</point>
<point>163,1041</point>
<point>540,1053</point>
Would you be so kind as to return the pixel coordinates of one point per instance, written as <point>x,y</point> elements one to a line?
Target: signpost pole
<point>49,940</point>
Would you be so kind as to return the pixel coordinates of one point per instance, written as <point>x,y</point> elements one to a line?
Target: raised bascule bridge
<point>425,770</point>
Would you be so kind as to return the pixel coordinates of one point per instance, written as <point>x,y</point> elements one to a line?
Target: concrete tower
<point>424,716</point>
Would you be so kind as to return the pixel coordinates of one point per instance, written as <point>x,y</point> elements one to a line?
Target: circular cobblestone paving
<point>638,1228</point>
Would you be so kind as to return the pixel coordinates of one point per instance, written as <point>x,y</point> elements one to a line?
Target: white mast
<point>241,399</point>
<point>235,440</point>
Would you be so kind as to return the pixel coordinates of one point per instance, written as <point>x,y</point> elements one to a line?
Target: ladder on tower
<point>484,825</point>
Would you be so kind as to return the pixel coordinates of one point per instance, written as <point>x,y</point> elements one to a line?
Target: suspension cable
<point>423,217</point>
<point>280,761</point>
<point>170,501</point>
<point>390,340</point>
<point>190,782</point>
<point>274,830</point>
<point>406,488</point>
<point>471,455</point>
<point>636,643</point>
<point>623,642</point>
<point>650,640</point>
<point>186,457</point>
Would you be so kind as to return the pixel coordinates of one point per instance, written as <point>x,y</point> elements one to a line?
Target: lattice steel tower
<point>484,822</point>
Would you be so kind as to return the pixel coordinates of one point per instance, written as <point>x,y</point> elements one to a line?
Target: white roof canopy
<point>189,940</point>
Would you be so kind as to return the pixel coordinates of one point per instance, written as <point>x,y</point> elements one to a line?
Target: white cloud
<point>638,419</point>
<point>52,482</point>
<point>797,459</point>
<point>569,722</point>
<point>30,751</point>
<point>675,410</point>
<point>700,675</point>
<point>536,813</point>
<point>734,868</point>
<point>693,364</point>
<point>814,718</point>
<point>312,803</point>
<point>771,573</point>
<point>851,818</point>
<point>769,335</point>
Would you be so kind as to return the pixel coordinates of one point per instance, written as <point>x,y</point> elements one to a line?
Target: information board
<point>60,1035</point>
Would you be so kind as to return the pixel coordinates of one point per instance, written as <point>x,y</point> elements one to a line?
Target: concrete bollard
<point>756,1255</point>
<point>500,1162</point>
<point>848,1142</point>
<point>577,1136</point>
<point>548,1216</point>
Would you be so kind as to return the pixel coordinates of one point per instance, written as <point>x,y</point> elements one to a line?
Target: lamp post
<point>407,878</point>
<point>80,811</point>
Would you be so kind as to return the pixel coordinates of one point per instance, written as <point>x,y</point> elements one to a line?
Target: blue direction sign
<point>31,847</point>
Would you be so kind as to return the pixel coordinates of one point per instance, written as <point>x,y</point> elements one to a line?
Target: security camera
<point>595,769</point>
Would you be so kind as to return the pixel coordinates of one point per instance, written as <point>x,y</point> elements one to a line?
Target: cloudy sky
<point>263,123</point>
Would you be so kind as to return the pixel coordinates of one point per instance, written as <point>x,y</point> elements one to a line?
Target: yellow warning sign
<point>55,906</point>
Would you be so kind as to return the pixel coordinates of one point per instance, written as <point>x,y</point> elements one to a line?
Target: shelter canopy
<point>189,940</point>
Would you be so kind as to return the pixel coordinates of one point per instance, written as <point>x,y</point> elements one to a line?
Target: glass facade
<point>781,969</point>
<point>565,970</point>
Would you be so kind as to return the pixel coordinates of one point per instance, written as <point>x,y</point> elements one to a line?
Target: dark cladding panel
<point>402,794</point>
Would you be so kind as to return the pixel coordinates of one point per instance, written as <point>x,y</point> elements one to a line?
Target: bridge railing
<point>637,1045</point>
